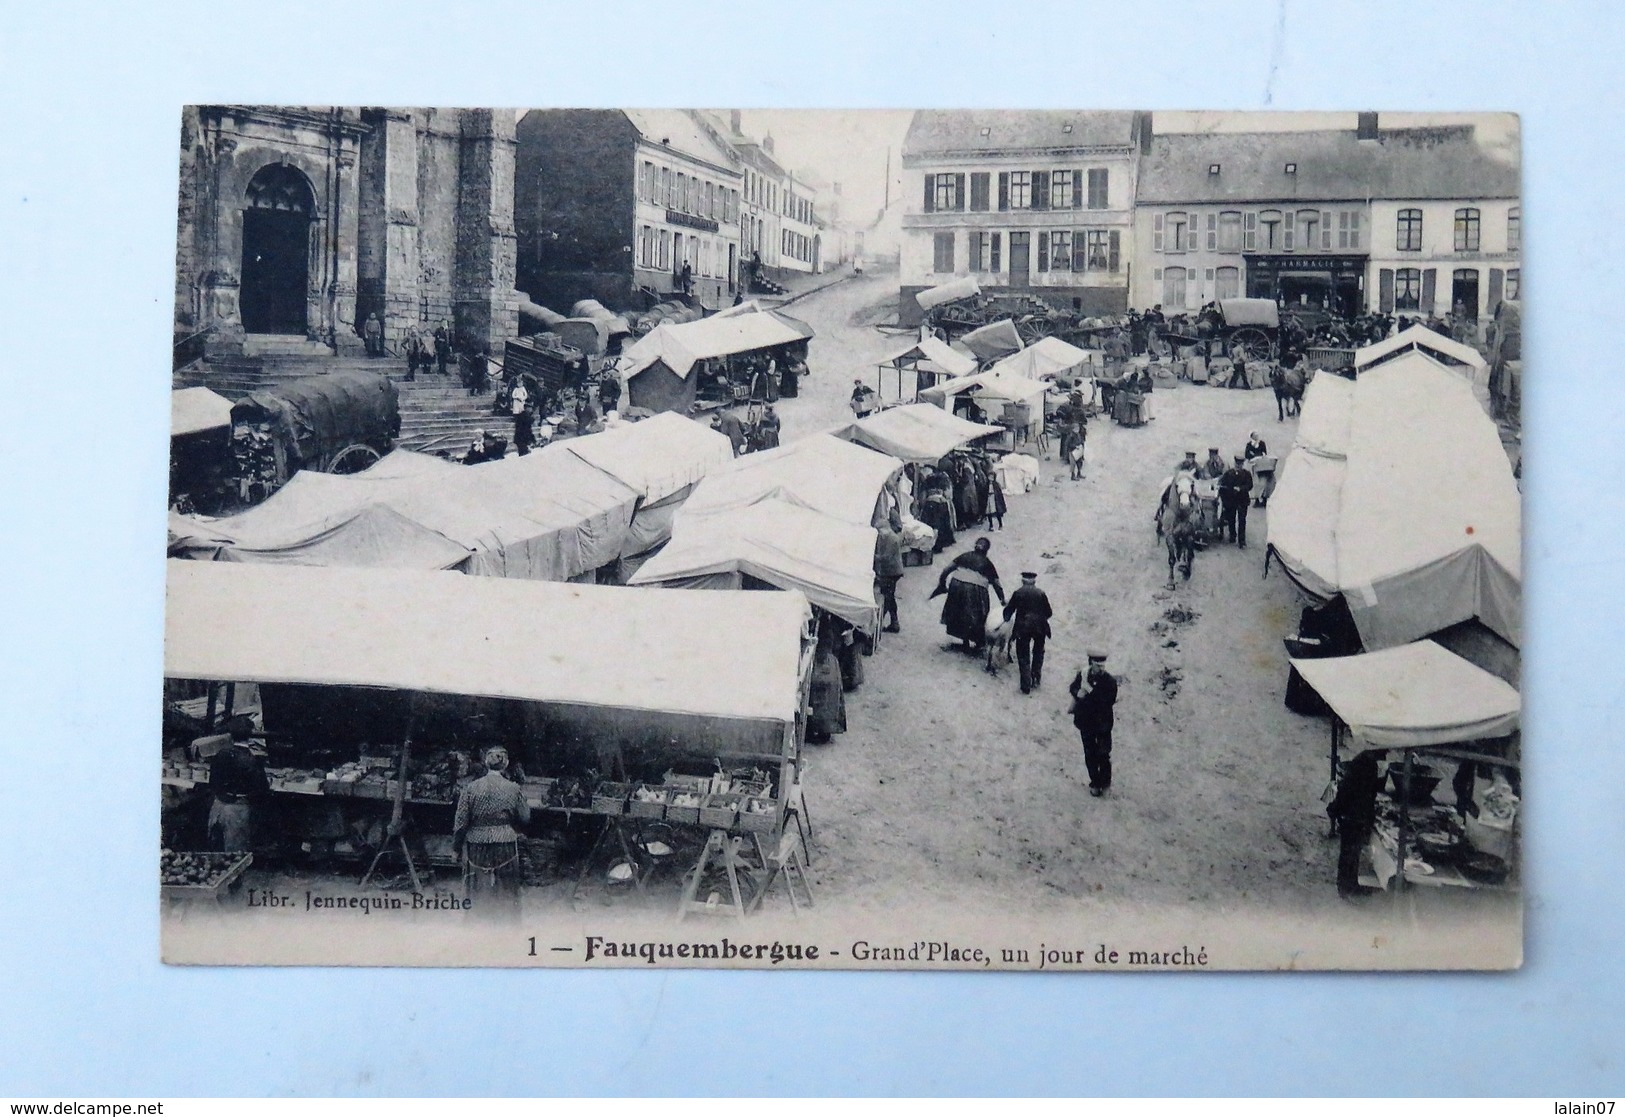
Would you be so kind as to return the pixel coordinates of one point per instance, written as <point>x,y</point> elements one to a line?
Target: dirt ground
<point>953,781</point>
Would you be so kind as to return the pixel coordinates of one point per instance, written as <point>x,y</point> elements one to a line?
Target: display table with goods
<point>1442,845</point>
<point>703,732</point>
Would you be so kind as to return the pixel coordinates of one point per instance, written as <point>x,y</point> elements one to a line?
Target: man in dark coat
<point>1235,490</point>
<point>237,781</point>
<point>1353,812</point>
<point>1029,607</point>
<point>1093,695</point>
<point>442,348</point>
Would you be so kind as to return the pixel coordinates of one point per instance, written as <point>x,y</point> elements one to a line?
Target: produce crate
<point>720,809</point>
<point>648,808</point>
<point>610,798</point>
<point>234,866</point>
<point>759,822</point>
<point>688,814</point>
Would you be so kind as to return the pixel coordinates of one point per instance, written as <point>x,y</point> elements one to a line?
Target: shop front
<point>1335,284</point>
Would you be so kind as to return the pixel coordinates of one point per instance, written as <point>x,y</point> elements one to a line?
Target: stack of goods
<point>648,801</point>
<point>343,779</point>
<point>296,781</point>
<point>253,452</point>
<point>439,777</point>
<point>569,794</point>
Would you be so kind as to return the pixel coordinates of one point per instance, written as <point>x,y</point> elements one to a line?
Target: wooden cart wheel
<point>353,459</point>
<point>1254,342</point>
<point>1033,328</point>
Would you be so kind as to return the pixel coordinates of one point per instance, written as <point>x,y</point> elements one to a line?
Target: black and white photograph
<point>1041,540</point>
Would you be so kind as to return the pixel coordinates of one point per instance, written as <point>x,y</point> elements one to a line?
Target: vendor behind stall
<point>485,837</point>
<point>1353,812</point>
<point>236,778</point>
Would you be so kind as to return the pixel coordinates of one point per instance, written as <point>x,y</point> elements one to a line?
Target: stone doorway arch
<point>278,210</point>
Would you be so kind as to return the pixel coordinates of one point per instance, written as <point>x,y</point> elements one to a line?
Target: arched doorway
<point>276,251</point>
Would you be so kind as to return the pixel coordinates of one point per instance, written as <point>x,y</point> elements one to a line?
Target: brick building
<point>610,204</point>
<point>300,222</point>
<point>1037,202</point>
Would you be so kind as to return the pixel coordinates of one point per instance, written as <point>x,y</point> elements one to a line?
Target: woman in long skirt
<point>966,581</point>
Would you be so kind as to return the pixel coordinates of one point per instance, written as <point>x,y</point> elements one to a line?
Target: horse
<point>1288,384</point>
<point>1176,526</point>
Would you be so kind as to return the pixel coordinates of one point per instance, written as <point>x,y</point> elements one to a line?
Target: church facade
<point>300,223</point>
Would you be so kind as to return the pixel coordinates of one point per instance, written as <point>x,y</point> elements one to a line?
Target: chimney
<point>1366,127</point>
<point>767,143</point>
<point>734,121</point>
<point>1142,126</point>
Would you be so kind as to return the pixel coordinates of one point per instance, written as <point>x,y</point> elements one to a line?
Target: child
<point>995,504</point>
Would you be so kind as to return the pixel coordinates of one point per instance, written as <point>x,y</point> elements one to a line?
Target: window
<point>664,259</point>
<point>1097,188</point>
<point>665,187</point>
<point>978,190</point>
<point>1173,287</point>
<point>1348,228</point>
<point>1291,229</point>
<point>1176,233</point>
<point>1249,239</point>
<point>1060,250</point>
<point>1043,252</point>
<point>1326,229</point>
<point>1467,221</point>
<point>1230,231</point>
<point>1021,196</point>
<point>942,192</point>
<point>1514,236</point>
<point>1408,232</point>
<point>1269,226</point>
<point>1227,283</point>
<point>1097,250</point>
<point>1309,229</point>
<point>942,252</point>
<point>978,250</point>
<point>1060,190</point>
<point>1408,289</point>
<point>1512,284</point>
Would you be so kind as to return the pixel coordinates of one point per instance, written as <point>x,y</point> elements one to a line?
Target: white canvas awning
<point>657,456</point>
<point>1417,344</point>
<point>714,655</point>
<point>936,352</point>
<point>788,546</point>
<point>194,410</point>
<point>989,387</point>
<point>820,472</point>
<point>1044,359</point>
<point>1416,522</point>
<point>1413,695</point>
<point>678,346</point>
<point>914,432</point>
<point>994,340</point>
<point>963,288</point>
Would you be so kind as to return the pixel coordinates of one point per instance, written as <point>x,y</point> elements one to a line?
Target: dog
<point>997,646</point>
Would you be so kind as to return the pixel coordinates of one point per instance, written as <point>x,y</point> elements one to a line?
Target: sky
<point>850,146</point>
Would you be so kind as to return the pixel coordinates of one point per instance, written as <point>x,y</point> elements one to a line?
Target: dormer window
<point>1067,128</point>
<point>1213,168</point>
<point>1291,168</point>
<point>986,132</point>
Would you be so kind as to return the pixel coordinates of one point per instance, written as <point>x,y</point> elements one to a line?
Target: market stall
<point>1431,707</point>
<point>1045,359</point>
<point>994,341</point>
<point>379,685</point>
<point>200,459</point>
<point>1398,497</point>
<point>1003,398</point>
<point>675,366</point>
<point>921,365</point>
<point>1418,340</point>
<point>915,433</point>
<point>820,472</point>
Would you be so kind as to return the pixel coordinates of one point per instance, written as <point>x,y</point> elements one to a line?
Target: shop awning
<point>1399,496</point>
<point>734,655</point>
<point>1044,359</point>
<point>194,410</point>
<point>964,288</point>
<point>914,432</point>
<point>1413,695</point>
<point>788,546</point>
<point>680,345</point>
<point>936,352</point>
<point>820,472</point>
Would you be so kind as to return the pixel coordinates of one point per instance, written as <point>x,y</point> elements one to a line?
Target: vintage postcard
<point>1052,540</point>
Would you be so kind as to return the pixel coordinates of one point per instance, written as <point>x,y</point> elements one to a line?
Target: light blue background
<point>87,201</point>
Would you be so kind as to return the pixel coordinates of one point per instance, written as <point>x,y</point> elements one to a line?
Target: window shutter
<point>930,193</point>
<point>1430,280</point>
<point>1496,280</point>
<point>1043,252</point>
<point>993,254</point>
<point>1290,222</point>
<point>1156,233</point>
<point>959,192</point>
<point>1116,249</point>
<point>1080,250</point>
<point>976,252</point>
<point>978,190</point>
<point>1077,188</point>
<point>1385,290</point>
<point>1040,189</point>
<point>1212,232</point>
<point>1249,236</point>
<point>1004,190</point>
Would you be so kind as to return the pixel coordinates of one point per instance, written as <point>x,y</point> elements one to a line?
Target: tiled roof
<point>945,131</point>
<point>1331,165</point>
<point>683,132</point>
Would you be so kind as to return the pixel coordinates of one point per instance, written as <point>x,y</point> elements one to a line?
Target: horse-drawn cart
<point>341,422</point>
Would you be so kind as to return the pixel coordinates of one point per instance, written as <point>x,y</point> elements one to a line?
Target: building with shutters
<point>1036,202</point>
<point>1317,218</point>
<point>611,204</point>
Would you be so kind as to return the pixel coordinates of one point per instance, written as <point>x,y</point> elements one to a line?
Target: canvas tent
<point>1250,312</point>
<point>195,410</point>
<point>1417,341</point>
<point>1044,359</point>
<point>963,288</point>
<point>735,657</point>
<point>821,472</point>
<point>1412,696</point>
<point>777,542</point>
<point>1399,497</point>
<point>754,306</point>
<point>915,432</point>
<point>944,360</point>
<point>989,388</point>
<point>995,340</point>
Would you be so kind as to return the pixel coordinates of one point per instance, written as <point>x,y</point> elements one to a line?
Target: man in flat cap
<point>1094,693</point>
<point>1029,607</point>
<point>1235,490</point>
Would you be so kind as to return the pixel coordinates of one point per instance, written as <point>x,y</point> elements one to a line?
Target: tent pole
<point>1404,824</point>
<point>1336,733</point>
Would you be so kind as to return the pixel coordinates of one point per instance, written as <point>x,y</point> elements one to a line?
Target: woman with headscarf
<point>485,835</point>
<point>966,582</point>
